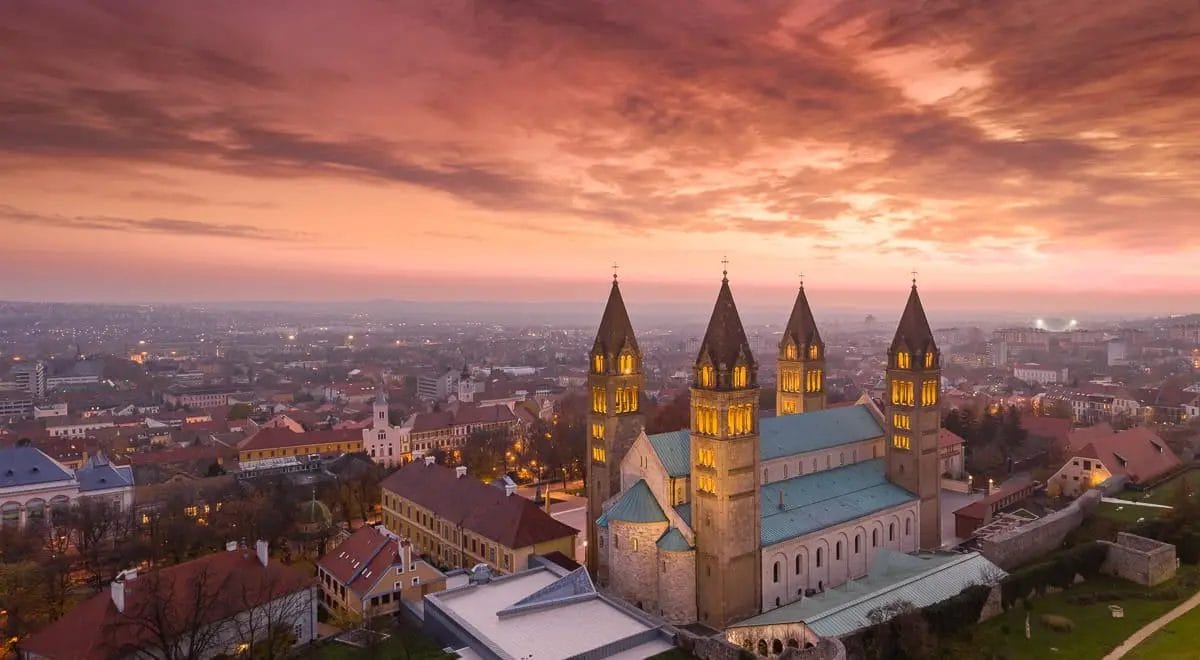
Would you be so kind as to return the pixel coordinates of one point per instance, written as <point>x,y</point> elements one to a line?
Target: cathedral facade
<point>740,514</point>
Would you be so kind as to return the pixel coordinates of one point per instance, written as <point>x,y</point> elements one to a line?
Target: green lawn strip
<point>1178,640</point>
<point>1095,633</point>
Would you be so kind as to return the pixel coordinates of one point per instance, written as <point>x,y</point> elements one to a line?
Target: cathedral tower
<point>725,466</point>
<point>800,376</point>
<point>913,414</point>
<point>615,421</point>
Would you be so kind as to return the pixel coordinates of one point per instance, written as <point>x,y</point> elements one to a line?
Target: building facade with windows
<point>738,514</point>
<point>459,521</point>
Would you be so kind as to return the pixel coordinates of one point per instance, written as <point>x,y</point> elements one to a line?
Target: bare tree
<point>172,615</point>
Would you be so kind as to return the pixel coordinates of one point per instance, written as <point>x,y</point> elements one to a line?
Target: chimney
<point>429,459</point>
<point>231,546</point>
<point>260,547</point>
<point>460,471</point>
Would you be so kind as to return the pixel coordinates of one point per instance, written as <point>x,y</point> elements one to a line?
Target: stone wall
<point>1139,559</point>
<point>677,586</point>
<point>633,571</point>
<point>1042,536</point>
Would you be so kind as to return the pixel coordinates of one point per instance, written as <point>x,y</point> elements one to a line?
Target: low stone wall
<point>1139,559</point>
<point>1042,536</point>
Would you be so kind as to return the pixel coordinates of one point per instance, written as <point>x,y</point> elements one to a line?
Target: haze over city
<point>462,151</point>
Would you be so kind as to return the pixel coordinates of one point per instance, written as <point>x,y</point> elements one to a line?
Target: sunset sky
<point>1030,154</point>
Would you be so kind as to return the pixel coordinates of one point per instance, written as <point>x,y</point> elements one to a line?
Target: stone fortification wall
<point>1139,559</point>
<point>1028,542</point>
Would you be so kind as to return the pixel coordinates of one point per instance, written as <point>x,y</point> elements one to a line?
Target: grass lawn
<point>1128,513</point>
<point>1095,634</point>
<point>1165,492</point>
<point>1177,641</point>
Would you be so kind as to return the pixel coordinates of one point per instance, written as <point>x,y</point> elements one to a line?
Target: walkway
<point>1153,627</point>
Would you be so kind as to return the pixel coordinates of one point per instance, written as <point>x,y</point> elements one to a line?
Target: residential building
<point>1096,453</point>
<point>224,604</point>
<point>459,521</point>
<point>34,487</point>
<point>542,612</point>
<point>268,447</point>
<point>449,429</point>
<point>1032,372</point>
<point>372,572</point>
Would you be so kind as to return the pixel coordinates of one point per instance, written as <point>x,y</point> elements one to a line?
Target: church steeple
<point>913,412</point>
<point>615,381</point>
<point>800,372</point>
<point>725,496</point>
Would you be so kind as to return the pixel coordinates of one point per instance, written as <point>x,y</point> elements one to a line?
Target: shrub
<point>1058,623</point>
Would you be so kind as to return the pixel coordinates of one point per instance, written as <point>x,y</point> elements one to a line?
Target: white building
<point>33,486</point>
<point>384,443</point>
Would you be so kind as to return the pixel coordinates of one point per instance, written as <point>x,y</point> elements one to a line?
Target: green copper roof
<point>780,436</point>
<point>636,505</point>
<point>822,499</point>
<point>822,429</point>
<point>672,541</point>
<point>922,580</point>
<point>674,450</point>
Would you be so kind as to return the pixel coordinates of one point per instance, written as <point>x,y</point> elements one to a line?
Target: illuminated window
<point>707,377</point>
<point>741,376</point>
<point>901,421</point>
<point>706,457</point>
<point>598,363</point>
<point>929,393</point>
<point>901,442</point>
<point>903,360</point>
<point>929,360</point>
<point>814,352</point>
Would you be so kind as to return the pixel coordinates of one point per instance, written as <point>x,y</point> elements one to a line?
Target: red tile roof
<point>274,438</point>
<point>510,520</point>
<point>1137,452</point>
<point>231,581</point>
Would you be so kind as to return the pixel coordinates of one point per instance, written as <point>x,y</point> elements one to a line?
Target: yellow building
<point>459,521</point>
<point>274,443</point>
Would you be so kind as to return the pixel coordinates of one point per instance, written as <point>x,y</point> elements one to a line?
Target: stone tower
<point>913,413</point>
<point>800,376</point>
<point>725,466</point>
<point>615,421</point>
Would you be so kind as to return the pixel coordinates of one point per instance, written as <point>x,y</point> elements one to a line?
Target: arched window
<point>819,556</point>
<point>798,569</point>
<point>892,531</point>
<point>775,572</point>
<point>837,551</point>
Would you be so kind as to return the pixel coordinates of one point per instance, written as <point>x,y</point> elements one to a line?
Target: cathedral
<point>740,514</point>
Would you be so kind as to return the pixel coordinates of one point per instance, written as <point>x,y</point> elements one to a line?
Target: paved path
<point>1153,627</point>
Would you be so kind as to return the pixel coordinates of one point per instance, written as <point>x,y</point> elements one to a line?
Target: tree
<point>167,616</point>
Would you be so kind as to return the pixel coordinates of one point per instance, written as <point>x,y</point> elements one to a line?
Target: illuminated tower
<point>614,381</point>
<point>914,416</point>
<point>725,465</point>
<point>800,376</point>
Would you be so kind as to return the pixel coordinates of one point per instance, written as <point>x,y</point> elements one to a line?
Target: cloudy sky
<point>1015,153</point>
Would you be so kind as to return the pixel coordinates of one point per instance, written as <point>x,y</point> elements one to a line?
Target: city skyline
<point>513,152</point>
